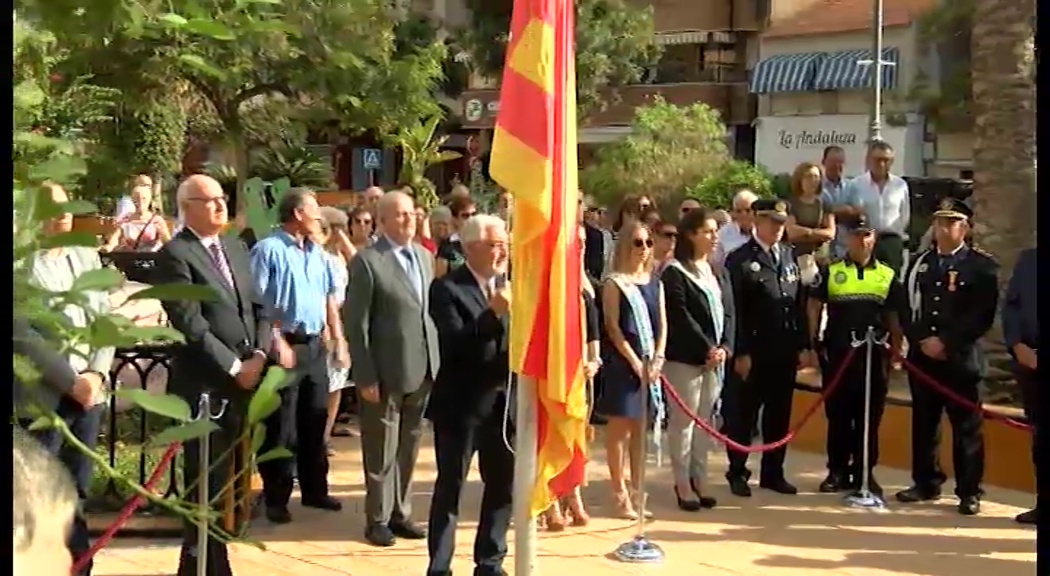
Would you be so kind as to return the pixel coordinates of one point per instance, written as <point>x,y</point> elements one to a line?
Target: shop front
<point>783,142</point>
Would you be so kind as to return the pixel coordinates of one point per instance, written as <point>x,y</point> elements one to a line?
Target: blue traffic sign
<point>372,158</point>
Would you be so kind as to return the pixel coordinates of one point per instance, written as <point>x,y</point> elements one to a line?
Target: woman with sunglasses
<point>700,334</point>
<point>665,237</point>
<point>362,228</point>
<point>450,251</point>
<point>636,325</point>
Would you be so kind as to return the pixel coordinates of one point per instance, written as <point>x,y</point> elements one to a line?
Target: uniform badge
<point>754,266</point>
<point>840,277</point>
<point>952,276</point>
<point>780,207</point>
<point>947,204</point>
<point>789,275</point>
<point>923,267</point>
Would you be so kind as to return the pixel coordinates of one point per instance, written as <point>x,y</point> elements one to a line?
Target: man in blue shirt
<point>292,278</point>
<point>1020,319</point>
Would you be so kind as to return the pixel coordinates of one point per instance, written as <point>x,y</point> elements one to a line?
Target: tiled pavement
<point>767,535</point>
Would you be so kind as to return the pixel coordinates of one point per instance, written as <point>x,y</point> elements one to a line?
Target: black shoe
<point>325,503</point>
<point>278,514</point>
<point>705,501</point>
<point>969,506</point>
<point>834,483</point>
<point>408,530</point>
<point>686,505</point>
<point>779,486</point>
<point>380,535</point>
<point>918,494</point>
<point>738,486</point>
<point>1029,517</point>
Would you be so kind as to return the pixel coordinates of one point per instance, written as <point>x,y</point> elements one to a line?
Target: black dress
<point>451,251</point>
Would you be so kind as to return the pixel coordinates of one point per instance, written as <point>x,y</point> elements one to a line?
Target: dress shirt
<point>888,208</point>
<point>834,194</point>
<point>730,237</point>
<point>293,280</point>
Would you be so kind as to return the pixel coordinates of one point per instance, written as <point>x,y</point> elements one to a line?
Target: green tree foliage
<point>614,45</point>
<point>420,149</point>
<point>717,188</point>
<point>671,149</point>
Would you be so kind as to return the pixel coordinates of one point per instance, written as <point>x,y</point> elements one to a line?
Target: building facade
<point>812,75</point>
<point>705,45</point>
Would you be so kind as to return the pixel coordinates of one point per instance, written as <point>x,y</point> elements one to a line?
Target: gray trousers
<point>391,430</point>
<point>700,389</point>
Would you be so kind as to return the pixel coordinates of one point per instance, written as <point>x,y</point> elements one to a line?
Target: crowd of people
<point>400,315</point>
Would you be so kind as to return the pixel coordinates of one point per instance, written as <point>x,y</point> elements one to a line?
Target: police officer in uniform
<point>953,293</point>
<point>859,291</point>
<point>771,342</point>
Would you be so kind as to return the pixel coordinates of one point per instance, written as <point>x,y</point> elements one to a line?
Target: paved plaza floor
<point>767,535</point>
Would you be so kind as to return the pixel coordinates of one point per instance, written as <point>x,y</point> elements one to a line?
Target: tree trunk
<point>1003,64</point>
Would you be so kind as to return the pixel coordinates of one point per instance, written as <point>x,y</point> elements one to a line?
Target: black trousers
<point>454,446</point>
<point>85,424</point>
<point>844,410</point>
<point>1029,381</point>
<point>769,387</point>
<point>967,440</point>
<point>298,425</point>
<point>220,459</point>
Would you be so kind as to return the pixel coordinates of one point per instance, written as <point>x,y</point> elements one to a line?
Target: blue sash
<point>718,317</point>
<point>644,327</point>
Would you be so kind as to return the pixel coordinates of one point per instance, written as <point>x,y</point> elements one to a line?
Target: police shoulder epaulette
<point>982,252</point>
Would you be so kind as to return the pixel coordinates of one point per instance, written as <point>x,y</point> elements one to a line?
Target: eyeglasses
<point>465,215</point>
<point>742,210</point>
<point>640,242</point>
<point>363,221</point>
<point>669,233</point>
<point>209,199</point>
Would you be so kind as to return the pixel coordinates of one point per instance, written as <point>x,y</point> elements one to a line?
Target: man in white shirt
<point>886,202</point>
<point>738,232</point>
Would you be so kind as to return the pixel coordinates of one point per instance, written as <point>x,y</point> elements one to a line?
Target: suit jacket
<point>219,332</point>
<point>57,376</point>
<point>473,342</point>
<point>393,341</point>
<point>767,297</point>
<point>594,255</point>
<point>690,324</point>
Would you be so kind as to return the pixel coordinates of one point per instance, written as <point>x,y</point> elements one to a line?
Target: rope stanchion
<point>958,399</point>
<point>129,509</point>
<point>730,443</point>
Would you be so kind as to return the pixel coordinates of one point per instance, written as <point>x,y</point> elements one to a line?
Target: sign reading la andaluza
<point>815,138</point>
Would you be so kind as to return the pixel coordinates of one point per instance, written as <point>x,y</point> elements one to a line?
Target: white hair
<point>477,227</point>
<point>744,196</point>
<point>440,214</point>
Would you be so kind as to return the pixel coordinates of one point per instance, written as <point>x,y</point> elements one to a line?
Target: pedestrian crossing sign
<point>372,158</point>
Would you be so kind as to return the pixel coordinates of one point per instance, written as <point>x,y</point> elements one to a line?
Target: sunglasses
<point>363,221</point>
<point>645,206</point>
<point>668,233</point>
<point>640,242</point>
<point>465,215</point>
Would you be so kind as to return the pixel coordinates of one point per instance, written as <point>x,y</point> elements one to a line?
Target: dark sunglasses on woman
<point>648,242</point>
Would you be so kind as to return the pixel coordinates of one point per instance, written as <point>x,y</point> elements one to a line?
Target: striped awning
<point>785,73</point>
<point>694,37</point>
<point>851,70</point>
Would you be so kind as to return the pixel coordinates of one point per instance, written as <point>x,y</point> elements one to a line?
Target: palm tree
<point>1004,105</point>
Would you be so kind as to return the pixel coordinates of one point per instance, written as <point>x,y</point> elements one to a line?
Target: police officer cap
<point>772,208</point>
<point>953,208</point>
<point>857,225</point>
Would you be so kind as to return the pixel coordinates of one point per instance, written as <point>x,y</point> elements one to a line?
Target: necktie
<point>413,270</point>
<point>220,263</point>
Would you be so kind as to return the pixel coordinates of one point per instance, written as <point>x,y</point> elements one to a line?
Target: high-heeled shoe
<point>686,505</point>
<point>647,514</point>
<point>554,517</point>
<point>624,508</point>
<point>704,501</point>
<point>573,505</point>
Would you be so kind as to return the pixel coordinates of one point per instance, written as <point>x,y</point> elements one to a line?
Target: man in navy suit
<point>470,306</point>
<point>1020,319</point>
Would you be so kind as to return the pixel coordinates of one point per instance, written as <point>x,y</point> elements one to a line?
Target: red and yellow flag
<point>534,158</point>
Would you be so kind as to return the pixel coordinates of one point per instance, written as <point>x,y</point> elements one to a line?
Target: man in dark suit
<point>228,339</point>
<point>1020,318</point>
<point>598,241</point>
<point>469,306</point>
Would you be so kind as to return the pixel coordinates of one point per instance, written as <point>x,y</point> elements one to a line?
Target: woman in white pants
<point>700,329</point>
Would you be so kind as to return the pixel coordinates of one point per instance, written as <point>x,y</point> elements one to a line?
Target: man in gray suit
<point>394,347</point>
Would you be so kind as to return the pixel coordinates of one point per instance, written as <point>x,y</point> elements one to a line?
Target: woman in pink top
<point>141,231</point>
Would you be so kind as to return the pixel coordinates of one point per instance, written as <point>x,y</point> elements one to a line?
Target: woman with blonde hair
<point>636,326</point>
<point>142,230</point>
<point>338,251</point>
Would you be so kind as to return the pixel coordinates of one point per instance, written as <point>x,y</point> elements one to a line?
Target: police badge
<point>780,207</point>
<point>840,277</point>
<point>754,266</point>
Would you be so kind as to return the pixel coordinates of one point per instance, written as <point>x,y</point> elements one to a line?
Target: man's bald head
<point>202,204</point>
<point>397,216</point>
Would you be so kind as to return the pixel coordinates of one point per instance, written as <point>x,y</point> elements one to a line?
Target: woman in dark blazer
<point>700,331</point>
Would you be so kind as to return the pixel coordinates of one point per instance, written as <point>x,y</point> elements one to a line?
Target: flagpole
<point>525,441</point>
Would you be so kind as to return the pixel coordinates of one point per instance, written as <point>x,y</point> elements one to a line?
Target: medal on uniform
<point>952,274</point>
<point>923,267</point>
<point>789,274</point>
